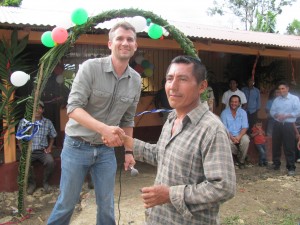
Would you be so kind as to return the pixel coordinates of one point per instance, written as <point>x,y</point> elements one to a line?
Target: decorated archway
<point>52,58</point>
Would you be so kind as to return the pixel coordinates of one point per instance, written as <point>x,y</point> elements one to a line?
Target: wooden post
<point>9,140</point>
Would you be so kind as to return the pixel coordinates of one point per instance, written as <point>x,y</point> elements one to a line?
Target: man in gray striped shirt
<point>195,171</point>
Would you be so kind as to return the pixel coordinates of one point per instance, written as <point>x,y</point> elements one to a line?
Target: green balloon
<point>47,39</point>
<point>155,31</point>
<point>79,16</point>
<point>145,64</point>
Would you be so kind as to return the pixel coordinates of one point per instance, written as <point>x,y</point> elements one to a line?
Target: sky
<point>186,11</point>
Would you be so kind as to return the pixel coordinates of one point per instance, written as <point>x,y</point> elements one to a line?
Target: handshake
<point>113,136</point>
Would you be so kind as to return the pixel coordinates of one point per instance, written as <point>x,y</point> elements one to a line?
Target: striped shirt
<point>40,139</point>
<point>196,163</point>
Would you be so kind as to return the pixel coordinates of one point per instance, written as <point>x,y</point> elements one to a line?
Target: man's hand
<point>280,117</point>
<point>129,161</point>
<point>111,136</point>
<point>47,150</point>
<point>234,139</point>
<point>155,195</point>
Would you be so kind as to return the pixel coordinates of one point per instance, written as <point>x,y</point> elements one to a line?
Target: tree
<point>294,28</point>
<point>250,10</point>
<point>15,3</point>
<point>265,23</point>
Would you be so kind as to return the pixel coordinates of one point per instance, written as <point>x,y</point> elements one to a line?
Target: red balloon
<point>59,35</point>
<point>138,68</point>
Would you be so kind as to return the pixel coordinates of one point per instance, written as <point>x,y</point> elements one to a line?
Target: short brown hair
<point>125,25</point>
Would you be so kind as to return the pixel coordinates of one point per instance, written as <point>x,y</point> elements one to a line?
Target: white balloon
<point>60,79</point>
<point>139,23</point>
<point>165,32</point>
<point>19,78</point>
<point>139,59</point>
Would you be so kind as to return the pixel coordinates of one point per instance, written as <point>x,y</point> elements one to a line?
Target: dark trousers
<point>48,162</point>
<point>283,135</point>
<point>251,120</point>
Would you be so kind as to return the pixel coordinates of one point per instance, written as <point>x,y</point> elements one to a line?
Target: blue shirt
<point>253,99</point>
<point>234,124</point>
<point>286,105</point>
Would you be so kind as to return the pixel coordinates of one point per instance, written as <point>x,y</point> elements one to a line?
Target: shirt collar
<point>287,97</point>
<point>194,116</point>
<point>108,67</point>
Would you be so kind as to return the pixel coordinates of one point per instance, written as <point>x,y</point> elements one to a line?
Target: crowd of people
<point>195,154</point>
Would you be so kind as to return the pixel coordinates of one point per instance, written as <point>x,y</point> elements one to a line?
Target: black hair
<point>199,69</point>
<point>233,79</point>
<point>235,96</point>
<point>282,82</point>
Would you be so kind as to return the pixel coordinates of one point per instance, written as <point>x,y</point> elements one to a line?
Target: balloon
<point>60,79</point>
<point>68,74</point>
<point>138,68</point>
<point>155,31</point>
<point>139,23</point>
<point>139,59</point>
<point>79,16</point>
<point>47,39</point>
<point>148,22</point>
<point>148,72</point>
<point>19,78</point>
<point>151,66</point>
<point>165,32</point>
<point>145,64</point>
<point>59,35</point>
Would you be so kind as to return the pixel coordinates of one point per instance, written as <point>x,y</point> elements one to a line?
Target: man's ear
<point>202,86</point>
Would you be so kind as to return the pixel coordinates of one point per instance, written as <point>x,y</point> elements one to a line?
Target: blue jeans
<point>262,153</point>
<point>77,158</point>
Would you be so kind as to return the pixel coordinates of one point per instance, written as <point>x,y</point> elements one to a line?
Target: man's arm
<point>49,148</point>
<point>129,158</point>
<point>241,134</point>
<point>109,133</point>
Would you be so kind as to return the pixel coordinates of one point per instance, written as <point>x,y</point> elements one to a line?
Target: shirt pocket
<point>100,99</point>
<point>122,104</point>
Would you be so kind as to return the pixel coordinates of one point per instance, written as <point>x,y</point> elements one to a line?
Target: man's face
<point>250,83</point>
<point>182,89</point>
<point>123,44</point>
<point>234,103</point>
<point>283,90</point>
<point>233,85</point>
<point>39,111</point>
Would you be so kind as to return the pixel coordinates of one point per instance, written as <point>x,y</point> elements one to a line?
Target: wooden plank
<point>35,38</point>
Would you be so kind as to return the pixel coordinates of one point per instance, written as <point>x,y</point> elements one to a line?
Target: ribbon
<point>25,127</point>
<point>154,111</point>
<point>254,66</point>
<point>293,70</point>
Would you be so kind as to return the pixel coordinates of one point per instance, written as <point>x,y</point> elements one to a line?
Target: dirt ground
<point>263,197</point>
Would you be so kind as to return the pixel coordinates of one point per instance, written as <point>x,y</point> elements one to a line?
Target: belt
<point>86,142</point>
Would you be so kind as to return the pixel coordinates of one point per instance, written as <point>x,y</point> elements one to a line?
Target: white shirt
<point>229,93</point>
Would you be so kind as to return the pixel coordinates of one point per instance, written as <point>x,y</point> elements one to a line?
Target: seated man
<point>235,120</point>
<point>41,148</point>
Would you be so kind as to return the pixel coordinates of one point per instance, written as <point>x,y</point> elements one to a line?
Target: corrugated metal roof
<point>223,34</point>
<point>22,16</point>
<point>32,17</point>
